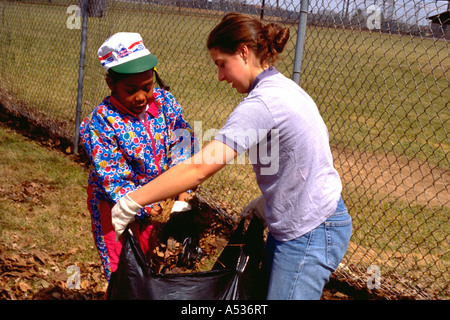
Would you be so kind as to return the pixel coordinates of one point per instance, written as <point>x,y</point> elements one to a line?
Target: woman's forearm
<point>174,181</point>
<point>186,175</point>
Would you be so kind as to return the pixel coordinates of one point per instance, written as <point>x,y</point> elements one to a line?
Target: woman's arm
<point>185,175</point>
<point>181,177</point>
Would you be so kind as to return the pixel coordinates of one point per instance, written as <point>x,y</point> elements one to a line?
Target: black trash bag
<point>190,254</point>
<point>250,277</point>
<point>238,274</point>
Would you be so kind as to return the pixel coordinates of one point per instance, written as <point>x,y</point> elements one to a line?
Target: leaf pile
<point>42,275</point>
<point>187,241</point>
<point>27,191</point>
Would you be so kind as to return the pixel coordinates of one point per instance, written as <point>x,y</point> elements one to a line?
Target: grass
<point>43,199</point>
<point>381,93</point>
<point>377,92</point>
<point>409,243</point>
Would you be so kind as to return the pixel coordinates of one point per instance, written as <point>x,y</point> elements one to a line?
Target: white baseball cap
<point>125,52</point>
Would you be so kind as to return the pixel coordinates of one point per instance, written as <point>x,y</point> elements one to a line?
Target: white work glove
<point>123,213</point>
<point>256,207</point>
<point>180,206</point>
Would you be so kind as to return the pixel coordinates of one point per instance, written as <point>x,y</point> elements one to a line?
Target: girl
<point>309,226</point>
<point>130,139</point>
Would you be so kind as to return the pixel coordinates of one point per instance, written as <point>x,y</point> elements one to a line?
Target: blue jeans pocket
<point>338,230</point>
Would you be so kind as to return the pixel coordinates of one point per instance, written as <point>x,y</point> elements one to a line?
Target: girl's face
<point>233,69</point>
<point>134,92</point>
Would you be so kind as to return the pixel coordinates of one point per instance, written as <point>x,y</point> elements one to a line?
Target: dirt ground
<point>50,275</point>
<point>41,274</point>
<point>412,180</point>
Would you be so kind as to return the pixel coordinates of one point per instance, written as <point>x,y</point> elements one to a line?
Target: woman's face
<point>134,92</point>
<point>233,69</point>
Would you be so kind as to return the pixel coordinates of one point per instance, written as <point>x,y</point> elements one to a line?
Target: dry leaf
<point>84,284</point>
<point>42,256</point>
<point>25,287</point>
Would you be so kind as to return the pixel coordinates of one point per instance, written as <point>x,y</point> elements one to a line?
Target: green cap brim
<point>137,65</point>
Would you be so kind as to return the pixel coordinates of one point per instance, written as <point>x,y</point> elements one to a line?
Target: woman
<point>309,226</point>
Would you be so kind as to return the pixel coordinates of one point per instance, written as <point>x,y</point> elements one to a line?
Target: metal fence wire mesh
<point>378,71</point>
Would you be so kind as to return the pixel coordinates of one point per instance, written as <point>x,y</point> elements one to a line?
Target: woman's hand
<point>256,207</point>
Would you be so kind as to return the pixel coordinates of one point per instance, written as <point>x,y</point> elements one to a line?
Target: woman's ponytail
<point>271,42</point>
<point>237,29</point>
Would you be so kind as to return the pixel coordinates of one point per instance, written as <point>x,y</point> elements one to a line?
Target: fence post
<point>299,47</point>
<point>80,74</point>
<point>261,14</point>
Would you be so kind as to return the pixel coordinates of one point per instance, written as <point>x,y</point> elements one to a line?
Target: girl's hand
<point>156,210</point>
<point>123,213</point>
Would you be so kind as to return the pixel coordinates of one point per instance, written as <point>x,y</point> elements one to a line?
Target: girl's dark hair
<point>237,29</point>
<point>160,82</point>
<point>115,76</point>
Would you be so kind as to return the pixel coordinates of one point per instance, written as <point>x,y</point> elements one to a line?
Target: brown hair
<point>237,29</point>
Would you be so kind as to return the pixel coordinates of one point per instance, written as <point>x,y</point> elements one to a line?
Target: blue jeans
<point>300,268</point>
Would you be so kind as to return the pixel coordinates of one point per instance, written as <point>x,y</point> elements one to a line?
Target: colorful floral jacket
<point>126,152</point>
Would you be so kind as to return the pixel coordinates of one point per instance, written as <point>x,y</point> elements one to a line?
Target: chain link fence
<point>378,71</point>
